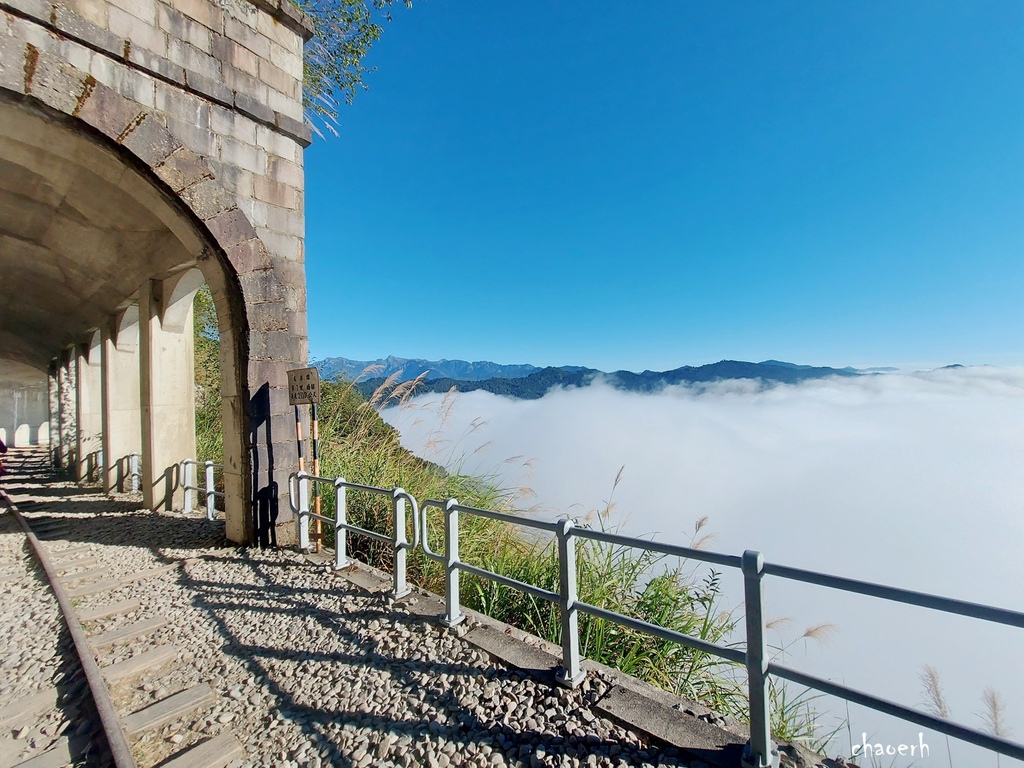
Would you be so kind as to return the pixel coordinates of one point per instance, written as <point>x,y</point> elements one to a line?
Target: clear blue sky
<point>648,185</point>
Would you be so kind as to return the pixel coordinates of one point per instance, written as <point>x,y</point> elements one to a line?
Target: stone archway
<point>110,218</point>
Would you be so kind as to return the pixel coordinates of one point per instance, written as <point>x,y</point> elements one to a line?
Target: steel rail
<point>111,721</point>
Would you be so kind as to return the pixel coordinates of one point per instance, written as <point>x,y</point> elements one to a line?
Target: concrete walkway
<point>315,668</point>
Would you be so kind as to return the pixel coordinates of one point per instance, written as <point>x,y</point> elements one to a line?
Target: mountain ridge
<point>511,381</point>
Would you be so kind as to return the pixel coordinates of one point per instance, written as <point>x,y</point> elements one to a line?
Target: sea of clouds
<point>914,480</point>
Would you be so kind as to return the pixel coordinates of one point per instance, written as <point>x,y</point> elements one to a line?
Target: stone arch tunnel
<point>148,147</point>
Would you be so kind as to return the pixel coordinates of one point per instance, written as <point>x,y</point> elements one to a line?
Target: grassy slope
<point>358,445</point>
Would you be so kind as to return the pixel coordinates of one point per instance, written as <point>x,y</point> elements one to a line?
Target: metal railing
<point>299,487</point>
<point>135,471</point>
<point>208,489</point>
<point>759,752</point>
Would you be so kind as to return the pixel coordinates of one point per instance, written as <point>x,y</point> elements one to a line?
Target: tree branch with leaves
<point>343,33</point>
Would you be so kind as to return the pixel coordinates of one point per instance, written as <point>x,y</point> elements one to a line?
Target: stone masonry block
<point>141,34</point>
<point>12,64</point>
<point>278,146</point>
<point>131,84</point>
<point>209,87</point>
<point>273,29</point>
<point>289,272</point>
<point>284,104</point>
<point>255,211</point>
<point>227,122</point>
<point>75,26</point>
<point>238,56</point>
<point>288,222</point>
<point>183,168</point>
<point>245,35</point>
<point>234,179</point>
<point>245,156</point>
<point>79,57</point>
<point>295,299</point>
<point>260,286</point>
<point>285,246</point>
<point>179,26</point>
<point>143,10</point>
<point>285,172</point>
<point>207,198</point>
<point>192,59</point>
<point>184,106</point>
<point>108,111</point>
<point>150,140</point>
<point>276,193</point>
<point>297,321</point>
<point>56,83</point>
<point>301,131</point>
<point>93,11</point>
<point>196,137</point>
<point>269,372</point>
<point>37,9</point>
<point>287,61</point>
<point>33,34</point>
<point>254,107</point>
<point>230,228</point>
<point>157,64</point>
<point>206,13</point>
<point>267,317</point>
<point>276,77</point>
<point>249,256</point>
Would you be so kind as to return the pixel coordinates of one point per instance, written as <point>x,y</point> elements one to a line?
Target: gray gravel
<point>310,669</point>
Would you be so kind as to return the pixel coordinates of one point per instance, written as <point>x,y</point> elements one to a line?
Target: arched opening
<point>100,264</point>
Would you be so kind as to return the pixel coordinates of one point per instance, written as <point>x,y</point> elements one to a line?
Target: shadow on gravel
<point>433,708</point>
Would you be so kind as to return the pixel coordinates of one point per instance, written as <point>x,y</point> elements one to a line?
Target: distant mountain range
<point>530,382</point>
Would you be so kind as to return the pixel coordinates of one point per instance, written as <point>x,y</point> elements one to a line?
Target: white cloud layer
<point>914,480</point>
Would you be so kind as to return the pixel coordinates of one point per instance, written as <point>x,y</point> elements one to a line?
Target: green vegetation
<point>358,445</point>
<point>343,32</point>
<point>209,434</point>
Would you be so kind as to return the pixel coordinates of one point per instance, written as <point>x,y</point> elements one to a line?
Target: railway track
<point>89,682</point>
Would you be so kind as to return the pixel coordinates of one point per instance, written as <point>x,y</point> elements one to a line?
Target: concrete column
<point>122,412</point>
<point>67,411</point>
<point>88,409</point>
<point>53,393</point>
<point>167,386</point>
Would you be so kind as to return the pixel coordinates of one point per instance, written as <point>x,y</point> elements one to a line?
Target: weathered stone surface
<point>207,198</point>
<point>177,104</point>
<point>150,140</point>
<point>183,168</point>
<point>230,228</point>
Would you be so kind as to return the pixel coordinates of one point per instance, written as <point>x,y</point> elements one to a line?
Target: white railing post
<point>136,472</point>
<point>571,674</point>
<point>759,751</point>
<point>340,519</point>
<point>454,615</point>
<point>187,471</point>
<point>302,514</point>
<point>401,544</point>
<point>211,512</point>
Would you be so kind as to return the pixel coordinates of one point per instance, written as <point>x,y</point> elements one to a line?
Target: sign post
<point>303,388</point>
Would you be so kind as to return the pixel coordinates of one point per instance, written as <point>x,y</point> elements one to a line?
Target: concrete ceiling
<point>80,231</point>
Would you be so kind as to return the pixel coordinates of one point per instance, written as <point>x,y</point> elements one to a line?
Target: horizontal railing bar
<point>361,487</point>
<point>717,558</point>
<point>923,599</point>
<point>505,517</point>
<point>529,589</point>
<point>729,654</point>
<point>364,532</point>
<point>978,738</point>
<point>314,478</point>
<point>195,463</point>
<point>315,516</point>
